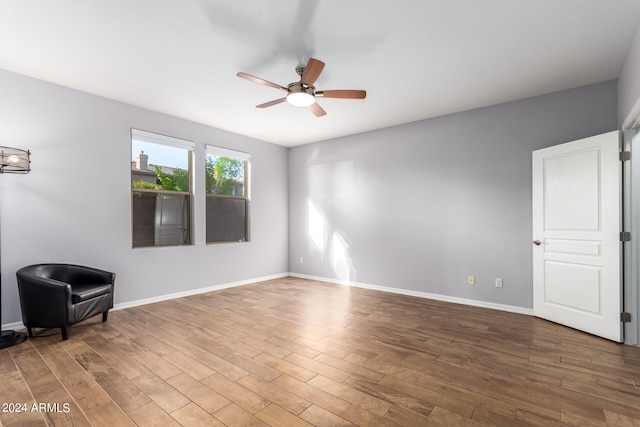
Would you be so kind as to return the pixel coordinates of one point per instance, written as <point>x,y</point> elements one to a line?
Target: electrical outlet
<point>301,260</point>
<point>471,280</point>
<point>498,282</point>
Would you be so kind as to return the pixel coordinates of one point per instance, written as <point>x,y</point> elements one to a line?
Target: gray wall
<point>75,205</point>
<point>629,80</point>
<point>420,207</point>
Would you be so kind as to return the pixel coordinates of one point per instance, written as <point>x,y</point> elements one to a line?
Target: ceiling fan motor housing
<point>300,95</point>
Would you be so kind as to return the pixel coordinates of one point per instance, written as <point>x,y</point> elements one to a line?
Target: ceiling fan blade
<point>317,110</point>
<point>270,103</point>
<point>346,94</point>
<point>260,81</point>
<point>312,71</point>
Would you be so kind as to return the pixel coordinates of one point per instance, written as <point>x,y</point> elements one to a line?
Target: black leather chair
<point>59,295</point>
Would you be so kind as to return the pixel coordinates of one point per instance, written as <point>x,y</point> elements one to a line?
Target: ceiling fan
<point>303,93</point>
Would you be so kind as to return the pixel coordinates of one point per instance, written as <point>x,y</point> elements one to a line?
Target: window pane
<point>159,167</point>
<point>160,219</point>
<point>226,219</point>
<point>225,175</point>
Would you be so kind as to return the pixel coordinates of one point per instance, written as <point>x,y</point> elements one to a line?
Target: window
<point>227,189</point>
<point>160,190</point>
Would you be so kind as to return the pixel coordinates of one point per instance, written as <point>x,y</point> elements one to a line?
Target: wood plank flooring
<point>294,352</point>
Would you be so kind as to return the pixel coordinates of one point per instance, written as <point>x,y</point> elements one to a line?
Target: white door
<point>576,235</point>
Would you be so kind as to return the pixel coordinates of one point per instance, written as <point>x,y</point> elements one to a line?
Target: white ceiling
<point>416,58</point>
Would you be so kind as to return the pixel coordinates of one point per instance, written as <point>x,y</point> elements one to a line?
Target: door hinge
<point>625,317</point>
<point>625,236</point>
<point>625,155</point>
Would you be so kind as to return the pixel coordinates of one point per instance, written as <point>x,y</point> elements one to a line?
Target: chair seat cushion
<point>81,293</point>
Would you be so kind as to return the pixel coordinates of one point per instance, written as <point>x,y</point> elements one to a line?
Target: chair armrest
<point>45,302</point>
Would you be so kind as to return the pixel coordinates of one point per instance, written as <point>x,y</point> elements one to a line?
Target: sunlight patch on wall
<point>317,227</point>
<point>340,259</point>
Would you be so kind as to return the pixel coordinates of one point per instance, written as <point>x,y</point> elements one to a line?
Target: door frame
<point>631,209</point>
<point>631,249</point>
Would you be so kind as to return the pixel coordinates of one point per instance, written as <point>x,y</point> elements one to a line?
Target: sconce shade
<point>14,160</point>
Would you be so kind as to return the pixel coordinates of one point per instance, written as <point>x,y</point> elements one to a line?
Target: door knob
<point>537,242</point>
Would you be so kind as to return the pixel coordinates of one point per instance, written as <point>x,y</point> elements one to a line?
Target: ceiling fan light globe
<point>300,99</point>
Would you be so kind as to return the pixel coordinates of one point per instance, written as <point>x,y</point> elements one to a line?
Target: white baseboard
<point>16,326</point>
<point>438,297</point>
<point>175,295</point>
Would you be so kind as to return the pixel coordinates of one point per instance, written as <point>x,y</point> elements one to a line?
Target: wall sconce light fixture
<point>14,160</point>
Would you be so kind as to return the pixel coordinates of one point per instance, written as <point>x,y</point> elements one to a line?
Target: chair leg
<point>104,316</point>
<point>31,331</point>
<point>65,333</point>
